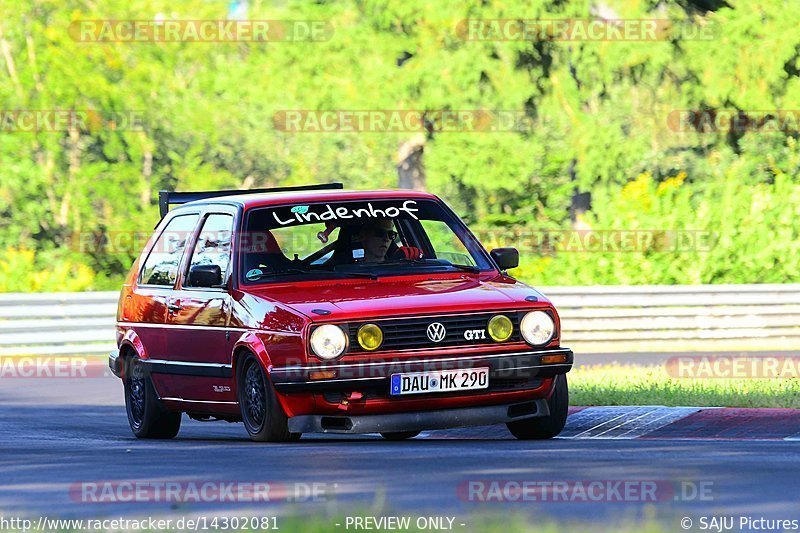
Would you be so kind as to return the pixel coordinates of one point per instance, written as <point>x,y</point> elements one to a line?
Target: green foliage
<point>23,271</point>
<point>714,231</point>
<point>595,119</point>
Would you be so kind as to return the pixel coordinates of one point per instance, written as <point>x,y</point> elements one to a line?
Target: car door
<point>146,312</point>
<point>198,317</point>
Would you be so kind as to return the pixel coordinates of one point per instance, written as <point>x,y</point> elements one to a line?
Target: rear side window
<point>214,243</point>
<point>161,266</point>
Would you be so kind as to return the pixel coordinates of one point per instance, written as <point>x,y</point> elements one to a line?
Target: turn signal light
<point>322,374</point>
<point>549,359</point>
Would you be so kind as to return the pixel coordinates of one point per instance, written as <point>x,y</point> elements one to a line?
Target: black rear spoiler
<point>168,198</point>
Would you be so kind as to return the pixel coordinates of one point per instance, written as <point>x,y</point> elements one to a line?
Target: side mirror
<point>205,276</point>
<point>505,258</point>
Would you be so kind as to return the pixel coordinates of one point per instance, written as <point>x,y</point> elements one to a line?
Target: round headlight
<point>537,327</point>
<point>500,328</point>
<point>328,341</point>
<point>370,337</point>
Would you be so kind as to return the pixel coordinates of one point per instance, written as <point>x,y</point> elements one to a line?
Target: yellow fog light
<point>500,328</point>
<point>370,337</point>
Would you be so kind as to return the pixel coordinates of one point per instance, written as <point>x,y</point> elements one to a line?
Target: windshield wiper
<point>426,262</point>
<point>366,275</point>
<point>467,268</point>
<point>304,271</point>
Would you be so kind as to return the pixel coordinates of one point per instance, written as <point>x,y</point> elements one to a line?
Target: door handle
<point>174,306</point>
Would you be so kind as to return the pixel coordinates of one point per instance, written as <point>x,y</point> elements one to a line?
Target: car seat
<point>266,256</point>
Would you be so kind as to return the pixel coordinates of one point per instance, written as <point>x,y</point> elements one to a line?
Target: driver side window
<point>214,243</point>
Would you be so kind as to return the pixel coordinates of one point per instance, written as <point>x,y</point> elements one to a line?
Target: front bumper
<point>377,374</point>
<point>418,421</point>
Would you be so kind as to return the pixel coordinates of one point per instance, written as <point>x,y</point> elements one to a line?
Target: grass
<point>617,384</point>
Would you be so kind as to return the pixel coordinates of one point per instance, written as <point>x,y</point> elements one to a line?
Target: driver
<point>377,236</point>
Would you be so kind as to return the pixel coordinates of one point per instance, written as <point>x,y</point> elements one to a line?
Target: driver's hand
<point>409,253</point>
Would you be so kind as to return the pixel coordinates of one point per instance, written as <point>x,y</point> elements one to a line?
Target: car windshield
<point>356,239</point>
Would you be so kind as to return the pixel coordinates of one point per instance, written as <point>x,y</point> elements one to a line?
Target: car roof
<point>250,201</point>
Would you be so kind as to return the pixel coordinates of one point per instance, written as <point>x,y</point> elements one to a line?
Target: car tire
<point>546,427</point>
<point>147,417</point>
<point>262,413</point>
<point>400,435</point>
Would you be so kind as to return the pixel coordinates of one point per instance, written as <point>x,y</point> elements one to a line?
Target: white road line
<point>622,422</point>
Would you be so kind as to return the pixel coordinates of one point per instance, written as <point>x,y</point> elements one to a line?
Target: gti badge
<point>436,331</point>
<point>475,334</point>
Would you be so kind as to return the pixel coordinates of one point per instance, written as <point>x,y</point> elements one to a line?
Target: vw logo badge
<point>436,332</point>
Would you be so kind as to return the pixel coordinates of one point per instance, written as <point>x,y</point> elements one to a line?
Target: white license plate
<point>441,381</point>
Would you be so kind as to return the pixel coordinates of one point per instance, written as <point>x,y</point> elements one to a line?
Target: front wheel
<point>262,414</point>
<point>147,418</point>
<point>546,427</point>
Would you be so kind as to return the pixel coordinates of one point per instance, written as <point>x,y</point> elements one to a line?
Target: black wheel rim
<point>254,396</point>
<point>136,394</point>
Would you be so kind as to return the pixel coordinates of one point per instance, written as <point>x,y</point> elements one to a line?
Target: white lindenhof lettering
<point>343,212</point>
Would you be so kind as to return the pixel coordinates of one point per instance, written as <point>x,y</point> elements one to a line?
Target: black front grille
<point>411,333</point>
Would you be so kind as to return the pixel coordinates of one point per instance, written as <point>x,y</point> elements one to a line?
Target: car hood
<point>346,299</point>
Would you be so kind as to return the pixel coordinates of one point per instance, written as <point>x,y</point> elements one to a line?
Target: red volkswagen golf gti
<point>316,309</point>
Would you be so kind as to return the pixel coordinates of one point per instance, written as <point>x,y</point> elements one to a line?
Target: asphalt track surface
<point>57,434</point>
